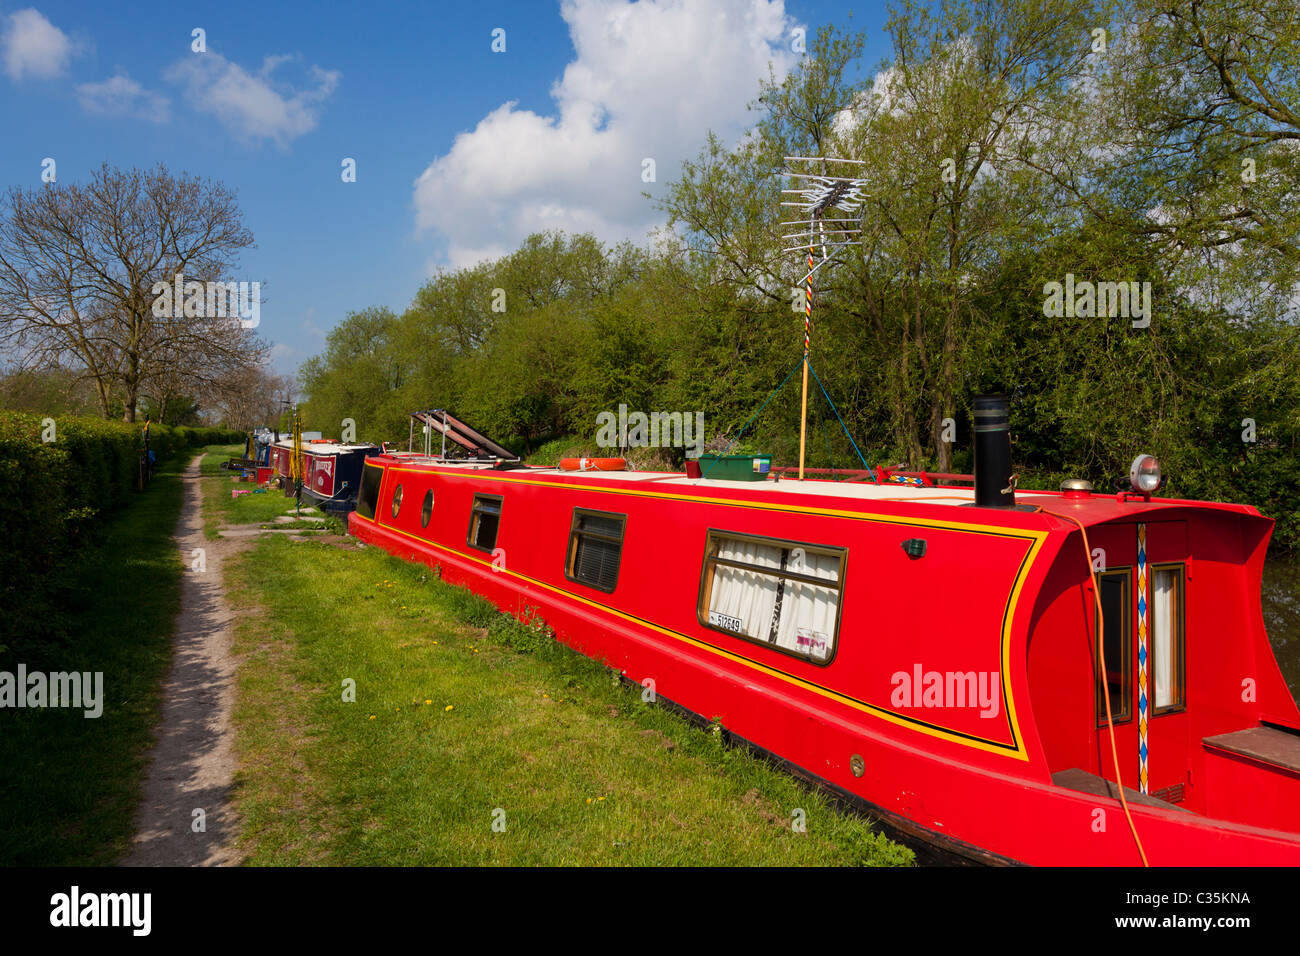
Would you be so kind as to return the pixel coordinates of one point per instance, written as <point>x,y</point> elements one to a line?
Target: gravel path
<point>193,761</point>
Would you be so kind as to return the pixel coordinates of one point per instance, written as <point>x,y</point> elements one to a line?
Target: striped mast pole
<point>807,343</point>
<point>1144,606</point>
<point>819,193</point>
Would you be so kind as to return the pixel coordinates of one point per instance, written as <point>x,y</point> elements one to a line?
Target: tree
<point>944,130</point>
<point>949,143</point>
<point>363,375</point>
<point>48,391</point>
<point>254,399</point>
<point>1207,97</point>
<point>79,266</point>
<point>1184,146</point>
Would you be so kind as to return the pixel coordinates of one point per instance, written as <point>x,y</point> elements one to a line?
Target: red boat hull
<point>991,595</point>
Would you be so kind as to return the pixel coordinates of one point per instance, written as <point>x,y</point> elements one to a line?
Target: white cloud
<point>33,46</point>
<point>120,95</point>
<point>285,357</point>
<point>253,106</point>
<point>650,79</point>
<point>309,325</point>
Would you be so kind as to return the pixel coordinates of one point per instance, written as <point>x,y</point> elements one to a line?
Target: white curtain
<point>1164,631</point>
<point>806,624</point>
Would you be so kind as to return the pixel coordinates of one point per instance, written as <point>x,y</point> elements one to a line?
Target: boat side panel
<point>895,658</point>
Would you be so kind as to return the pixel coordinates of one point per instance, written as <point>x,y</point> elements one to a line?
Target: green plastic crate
<point>736,467</point>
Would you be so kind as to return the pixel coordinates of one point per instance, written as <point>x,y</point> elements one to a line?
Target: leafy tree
<point>360,376</point>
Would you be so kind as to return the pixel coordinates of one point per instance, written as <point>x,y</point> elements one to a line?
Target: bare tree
<point>80,270</point>
<point>253,399</point>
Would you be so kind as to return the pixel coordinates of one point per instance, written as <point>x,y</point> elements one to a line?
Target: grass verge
<point>220,507</point>
<point>69,784</point>
<point>475,739</point>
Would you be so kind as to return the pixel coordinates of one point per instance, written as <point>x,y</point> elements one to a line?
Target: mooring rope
<point>841,421</point>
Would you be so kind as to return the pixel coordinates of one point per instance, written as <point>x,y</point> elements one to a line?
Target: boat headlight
<point>1144,474</point>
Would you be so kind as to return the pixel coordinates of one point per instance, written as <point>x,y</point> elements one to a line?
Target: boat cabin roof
<point>1091,508</point>
<point>317,447</point>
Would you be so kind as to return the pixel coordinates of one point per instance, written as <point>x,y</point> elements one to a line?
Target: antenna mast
<point>818,194</point>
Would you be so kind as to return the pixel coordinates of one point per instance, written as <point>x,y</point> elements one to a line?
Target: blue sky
<point>460,151</point>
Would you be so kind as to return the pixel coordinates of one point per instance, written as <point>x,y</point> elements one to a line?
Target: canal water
<point>1281,599</point>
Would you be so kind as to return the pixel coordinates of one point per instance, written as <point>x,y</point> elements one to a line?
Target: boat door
<point>1143,576</point>
<point>324,481</point>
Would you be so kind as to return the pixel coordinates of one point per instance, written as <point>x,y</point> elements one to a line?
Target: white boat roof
<point>857,490</point>
<point>1094,508</point>
<point>322,447</point>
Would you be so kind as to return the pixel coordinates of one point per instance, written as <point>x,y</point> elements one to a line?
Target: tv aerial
<point>828,203</point>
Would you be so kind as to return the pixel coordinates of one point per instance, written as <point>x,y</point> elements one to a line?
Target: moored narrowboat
<point>331,471</point>
<point>1068,677</point>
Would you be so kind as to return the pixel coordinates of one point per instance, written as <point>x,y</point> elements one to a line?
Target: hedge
<point>52,492</point>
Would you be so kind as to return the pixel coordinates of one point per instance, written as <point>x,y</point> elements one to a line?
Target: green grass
<point>220,507</point>
<point>69,785</point>
<point>462,716</point>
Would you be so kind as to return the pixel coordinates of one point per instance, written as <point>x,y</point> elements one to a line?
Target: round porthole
<point>397,500</point>
<point>426,510</point>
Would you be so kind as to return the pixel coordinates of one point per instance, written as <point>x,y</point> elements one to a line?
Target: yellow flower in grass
<point>372,716</point>
<point>427,702</point>
<point>448,707</point>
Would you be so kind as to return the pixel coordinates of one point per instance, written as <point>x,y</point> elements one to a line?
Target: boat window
<point>371,476</point>
<point>1167,633</point>
<point>595,548</point>
<point>783,594</point>
<point>484,521</point>
<point>426,510</point>
<point>1118,645</point>
<point>397,500</point>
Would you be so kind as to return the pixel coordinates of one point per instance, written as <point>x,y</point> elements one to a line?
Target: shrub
<point>56,491</point>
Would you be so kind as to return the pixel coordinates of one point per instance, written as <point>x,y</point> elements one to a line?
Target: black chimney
<point>993,453</point>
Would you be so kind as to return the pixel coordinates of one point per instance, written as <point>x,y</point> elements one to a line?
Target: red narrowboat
<point>934,653</point>
<point>331,470</point>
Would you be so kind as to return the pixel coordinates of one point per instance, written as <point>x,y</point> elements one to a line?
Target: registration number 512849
<point>726,622</point>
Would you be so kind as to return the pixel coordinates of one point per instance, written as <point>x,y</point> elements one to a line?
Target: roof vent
<point>1076,488</point>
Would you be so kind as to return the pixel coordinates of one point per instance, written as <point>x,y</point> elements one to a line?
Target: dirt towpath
<point>193,760</point>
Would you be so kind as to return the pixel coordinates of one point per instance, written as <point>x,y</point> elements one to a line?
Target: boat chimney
<point>993,453</point>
